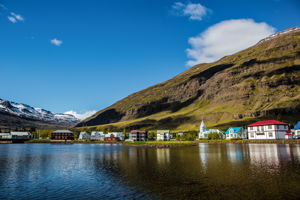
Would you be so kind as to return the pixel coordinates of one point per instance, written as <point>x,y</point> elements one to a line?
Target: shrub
<point>214,136</point>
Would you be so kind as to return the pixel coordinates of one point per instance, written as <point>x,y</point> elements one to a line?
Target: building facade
<point>96,135</point>
<point>203,133</point>
<point>84,136</point>
<point>235,132</point>
<point>136,135</point>
<point>269,129</point>
<point>163,135</point>
<point>114,136</point>
<point>296,129</point>
<point>62,135</point>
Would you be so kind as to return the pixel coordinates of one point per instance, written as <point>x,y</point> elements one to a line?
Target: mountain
<point>13,115</point>
<point>260,82</point>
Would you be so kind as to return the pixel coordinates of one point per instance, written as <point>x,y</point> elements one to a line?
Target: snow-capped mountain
<point>23,110</point>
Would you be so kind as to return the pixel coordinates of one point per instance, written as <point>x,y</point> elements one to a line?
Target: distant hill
<point>261,82</point>
<point>18,115</point>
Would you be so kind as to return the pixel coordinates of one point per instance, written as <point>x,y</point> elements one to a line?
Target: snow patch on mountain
<point>27,111</point>
<point>279,34</point>
<point>81,116</point>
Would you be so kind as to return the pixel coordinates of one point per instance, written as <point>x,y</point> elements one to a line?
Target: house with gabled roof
<point>269,129</point>
<point>296,130</point>
<point>235,132</point>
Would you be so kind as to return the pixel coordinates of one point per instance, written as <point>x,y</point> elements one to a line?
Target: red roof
<point>288,131</point>
<point>137,131</point>
<point>288,134</point>
<point>267,122</point>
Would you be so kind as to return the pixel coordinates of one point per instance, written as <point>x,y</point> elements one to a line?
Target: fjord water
<point>99,171</point>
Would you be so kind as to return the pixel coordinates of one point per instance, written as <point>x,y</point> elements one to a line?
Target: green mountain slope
<point>260,82</point>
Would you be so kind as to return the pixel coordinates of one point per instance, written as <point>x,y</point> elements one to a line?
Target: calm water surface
<point>99,171</point>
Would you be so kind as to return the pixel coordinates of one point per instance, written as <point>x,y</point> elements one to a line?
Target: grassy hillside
<point>261,82</point>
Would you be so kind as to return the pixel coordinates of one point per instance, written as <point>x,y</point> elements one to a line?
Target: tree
<point>214,136</point>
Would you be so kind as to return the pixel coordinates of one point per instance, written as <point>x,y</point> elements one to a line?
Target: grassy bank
<point>161,144</point>
<point>72,142</point>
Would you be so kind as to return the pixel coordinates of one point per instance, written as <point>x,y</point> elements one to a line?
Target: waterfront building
<point>5,136</point>
<point>296,130</point>
<point>204,131</point>
<point>21,135</point>
<point>136,135</point>
<point>84,136</point>
<point>269,129</point>
<point>96,135</point>
<point>114,136</point>
<point>62,135</point>
<point>163,135</point>
<point>235,132</point>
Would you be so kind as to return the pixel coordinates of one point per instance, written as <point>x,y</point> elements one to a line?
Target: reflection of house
<point>84,136</point>
<point>96,135</point>
<point>136,135</point>
<point>269,129</point>
<point>114,136</point>
<point>163,135</point>
<point>296,130</point>
<point>204,131</point>
<point>163,156</point>
<point>62,135</point>
<point>264,155</point>
<point>235,132</point>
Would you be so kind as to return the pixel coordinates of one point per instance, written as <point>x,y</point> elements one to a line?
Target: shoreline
<point>168,144</point>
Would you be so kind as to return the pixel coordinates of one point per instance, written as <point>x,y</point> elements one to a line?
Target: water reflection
<point>235,171</point>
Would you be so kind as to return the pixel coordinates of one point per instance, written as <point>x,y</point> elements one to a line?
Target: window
<point>251,128</point>
<point>270,134</point>
<point>231,135</point>
<point>252,135</point>
<point>270,127</point>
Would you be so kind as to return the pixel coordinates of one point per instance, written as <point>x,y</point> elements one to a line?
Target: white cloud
<point>226,38</point>
<point>193,11</point>
<point>56,42</point>
<point>81,116</point>
<point>18,17</point>
<point>12,19</point>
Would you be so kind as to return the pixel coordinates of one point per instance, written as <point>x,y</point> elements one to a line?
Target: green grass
<point>154,143</point>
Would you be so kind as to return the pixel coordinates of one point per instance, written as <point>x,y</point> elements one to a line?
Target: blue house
<point>296,130</point>
<point>235,132</point>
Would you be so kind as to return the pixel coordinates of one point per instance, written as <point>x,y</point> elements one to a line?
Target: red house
<point>110,137</point>
<point>62,135</point>
<point>269,129</point>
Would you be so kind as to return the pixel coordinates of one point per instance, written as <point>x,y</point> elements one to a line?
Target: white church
<point>204,131</point>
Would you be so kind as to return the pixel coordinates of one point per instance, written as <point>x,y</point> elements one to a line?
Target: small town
<point>260,130</point>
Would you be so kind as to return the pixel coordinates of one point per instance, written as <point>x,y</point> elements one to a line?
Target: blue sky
<point>104,50</point>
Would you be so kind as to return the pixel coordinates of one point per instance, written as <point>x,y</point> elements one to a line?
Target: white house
<point>163,135</point>
<point>96,135</point>
<point>5,136</point>
<point>296,130</point>
<point>21,135</point>
<point>269,129</point>
<point>204,131</point>
<point>84,136</point>
<point>118,135</point>
<point>235,132</point>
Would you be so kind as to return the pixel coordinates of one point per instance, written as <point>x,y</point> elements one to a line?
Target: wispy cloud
<point>18,17</point>
<point>226,38</point>
<point>56,42</point>
<point>81,116</point>
<point>12,19</point>
<point>3,6</point>
<point>195,11</point>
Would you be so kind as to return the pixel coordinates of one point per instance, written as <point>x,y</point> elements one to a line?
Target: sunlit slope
<point>260,82</point>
